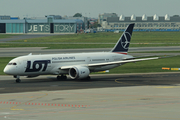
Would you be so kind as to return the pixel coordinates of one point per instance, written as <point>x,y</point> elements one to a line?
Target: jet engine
<point>79,72</point>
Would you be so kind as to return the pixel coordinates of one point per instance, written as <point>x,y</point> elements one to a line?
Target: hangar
<point>49,24</point>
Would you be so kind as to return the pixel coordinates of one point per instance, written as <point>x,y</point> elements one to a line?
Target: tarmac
<point>105,97</point>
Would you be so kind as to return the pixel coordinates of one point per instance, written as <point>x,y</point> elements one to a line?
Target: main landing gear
<point>62,77</point>
<point>88,78</point>
<point>17,78</point>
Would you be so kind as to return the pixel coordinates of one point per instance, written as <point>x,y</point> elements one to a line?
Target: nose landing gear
<point>17,78</point>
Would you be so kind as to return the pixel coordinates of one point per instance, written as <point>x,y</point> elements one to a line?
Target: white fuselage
<point>32,65</point>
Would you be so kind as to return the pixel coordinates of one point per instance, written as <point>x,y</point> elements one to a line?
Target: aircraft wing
<point>123,61</point>
<point>111,63</point>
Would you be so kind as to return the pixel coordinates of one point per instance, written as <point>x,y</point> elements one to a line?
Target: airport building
<point>84,19</point>
<point>48,24</point>
<point>104,16</point>
<point>143,23</point>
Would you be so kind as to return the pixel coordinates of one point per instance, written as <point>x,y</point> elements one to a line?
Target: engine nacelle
<point>79,72</point>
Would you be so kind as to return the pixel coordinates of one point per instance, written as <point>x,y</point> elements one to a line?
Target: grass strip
<point>109,37</point>
<point>139,39</point>
<point>157,52</point>
<point>148,66</point>
<point>76,46</point>
<point>2,36</point>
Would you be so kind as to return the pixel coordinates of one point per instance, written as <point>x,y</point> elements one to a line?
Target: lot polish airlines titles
<point>63,58</point>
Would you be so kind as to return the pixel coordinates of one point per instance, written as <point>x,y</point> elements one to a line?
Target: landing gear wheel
<point>18,80</point>
<point>88,78</point>
<point>58,77</point>
<point>62,77</point>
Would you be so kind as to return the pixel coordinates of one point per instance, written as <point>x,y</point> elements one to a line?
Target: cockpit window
<point>12,63</point>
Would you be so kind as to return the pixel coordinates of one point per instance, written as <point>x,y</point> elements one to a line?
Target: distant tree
<point>96,25</point>
<point>175,15</point>
<point>78,15</point>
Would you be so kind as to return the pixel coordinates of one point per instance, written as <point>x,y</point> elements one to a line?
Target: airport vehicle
<point>76,65</point>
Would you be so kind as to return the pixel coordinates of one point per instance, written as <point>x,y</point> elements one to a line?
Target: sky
<point>88,8</point>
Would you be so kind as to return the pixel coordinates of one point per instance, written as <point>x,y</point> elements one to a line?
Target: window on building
<point>138,25</point>
<point>149,25</point>
<point>115,25</point>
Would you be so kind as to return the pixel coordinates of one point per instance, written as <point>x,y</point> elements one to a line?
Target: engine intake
<point>79,72</point>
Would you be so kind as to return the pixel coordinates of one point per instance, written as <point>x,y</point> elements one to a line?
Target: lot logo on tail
<point>125,40</point>
<point>123,43</point>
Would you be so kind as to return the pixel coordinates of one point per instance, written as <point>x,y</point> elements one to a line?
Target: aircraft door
<point>25,64</point>
<point>88,60</point>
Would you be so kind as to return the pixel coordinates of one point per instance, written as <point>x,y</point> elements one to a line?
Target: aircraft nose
<point>7,70</point>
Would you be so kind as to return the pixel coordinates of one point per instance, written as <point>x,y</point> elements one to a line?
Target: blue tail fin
<point>123,43</point>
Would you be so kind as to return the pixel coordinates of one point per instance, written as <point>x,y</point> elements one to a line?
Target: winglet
<point>123,43</point>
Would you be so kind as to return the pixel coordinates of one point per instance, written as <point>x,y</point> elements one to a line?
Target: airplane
<point>76,65</point>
